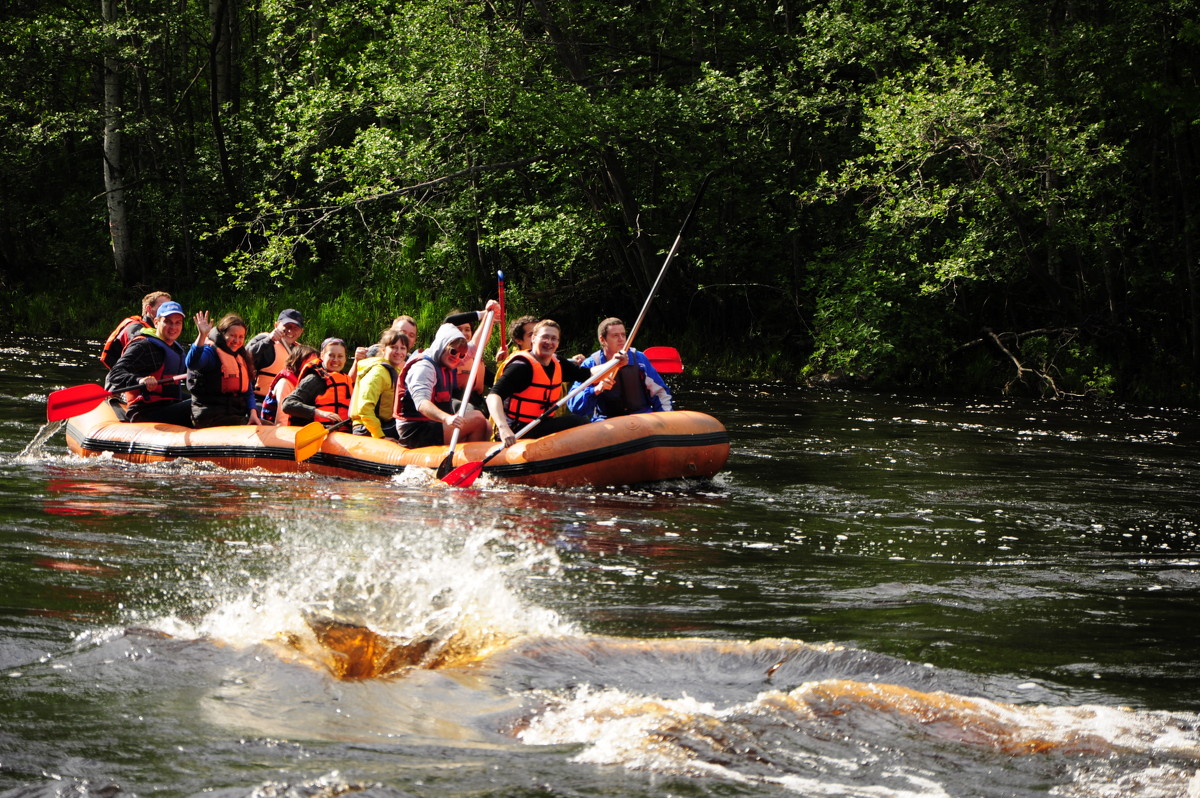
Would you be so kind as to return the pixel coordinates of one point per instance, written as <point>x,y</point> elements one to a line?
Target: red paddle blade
<point>665,359</point>
<point>465,475</point>
<point>74,401</point>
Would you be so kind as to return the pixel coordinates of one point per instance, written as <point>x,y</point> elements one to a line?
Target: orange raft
<point>620,451</point>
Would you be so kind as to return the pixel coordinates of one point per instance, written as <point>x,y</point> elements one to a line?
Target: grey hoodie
<point>422,375</point>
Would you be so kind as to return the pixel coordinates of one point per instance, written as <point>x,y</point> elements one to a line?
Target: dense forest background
<point>930,193</point>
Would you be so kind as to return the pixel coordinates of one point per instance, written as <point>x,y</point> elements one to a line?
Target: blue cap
<point>167,309</point>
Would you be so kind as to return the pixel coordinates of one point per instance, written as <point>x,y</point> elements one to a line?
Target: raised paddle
<point>465,475</point>
<point>448,463</point>
<point>79,399</point>
<point>665,359</point>
<point>311,436</point>
<point>500,298</point>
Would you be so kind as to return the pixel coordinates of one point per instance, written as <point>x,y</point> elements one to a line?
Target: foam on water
<point>446,587</point>
<point>839,737</point>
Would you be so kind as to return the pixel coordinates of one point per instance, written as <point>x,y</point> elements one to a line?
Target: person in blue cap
<point>149,361</point>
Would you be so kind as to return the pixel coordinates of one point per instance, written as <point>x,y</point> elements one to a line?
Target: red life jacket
<point>443,390</point>
<point>283,384</point>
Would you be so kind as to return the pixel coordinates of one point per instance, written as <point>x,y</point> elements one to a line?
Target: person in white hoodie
<point>427,409</point>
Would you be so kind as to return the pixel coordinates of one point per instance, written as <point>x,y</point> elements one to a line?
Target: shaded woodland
<point>925,193</point>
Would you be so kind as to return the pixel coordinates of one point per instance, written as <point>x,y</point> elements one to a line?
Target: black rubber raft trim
<point>360,466</point>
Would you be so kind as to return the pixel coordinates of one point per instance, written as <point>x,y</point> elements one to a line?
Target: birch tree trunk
<point>114,179</point>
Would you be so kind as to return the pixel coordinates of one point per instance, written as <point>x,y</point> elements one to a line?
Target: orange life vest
<point>235,378</point>
<point>115,344</point>
<point>526,405</point>
<point>267,375</point>
<point>336,396</point>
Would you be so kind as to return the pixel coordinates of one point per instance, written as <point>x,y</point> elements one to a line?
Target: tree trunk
<point>114,178</point>
<point>619,189</point>
<point>219,67</point>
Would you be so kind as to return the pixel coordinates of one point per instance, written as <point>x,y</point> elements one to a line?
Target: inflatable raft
<point>621,451</point>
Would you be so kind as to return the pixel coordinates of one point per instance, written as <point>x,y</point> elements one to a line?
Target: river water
<point>880,596</point>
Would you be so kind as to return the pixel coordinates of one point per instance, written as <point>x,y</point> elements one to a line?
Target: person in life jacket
<point>221,374</point>
<point>270,350</point>
<point>130,327</point>
<point>532,383</point>
<point>372,404</point>
<point>427,407</point>
<point>638,387</point>
<point>324,391</point>
<point>147,362</point>
<point>271,411</point>
<point>519,334</point>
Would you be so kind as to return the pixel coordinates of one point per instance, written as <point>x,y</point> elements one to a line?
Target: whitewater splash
<point>430,633</point>
<point>368,602</point>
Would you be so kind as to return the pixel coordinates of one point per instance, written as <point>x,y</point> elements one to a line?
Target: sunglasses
<point>453,352</point>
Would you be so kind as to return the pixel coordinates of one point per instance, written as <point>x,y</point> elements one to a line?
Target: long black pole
<point>687,222</point>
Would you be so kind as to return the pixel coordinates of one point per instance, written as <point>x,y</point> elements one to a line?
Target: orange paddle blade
<point>309,440</point>
<point>311,436</point>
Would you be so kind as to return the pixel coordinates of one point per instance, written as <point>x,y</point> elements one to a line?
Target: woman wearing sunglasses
<point>427,416</point>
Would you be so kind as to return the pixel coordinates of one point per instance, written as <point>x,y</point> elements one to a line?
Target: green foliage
<point>893,177</point>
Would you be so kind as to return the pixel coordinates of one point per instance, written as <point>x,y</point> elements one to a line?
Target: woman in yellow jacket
<point>372,404</point>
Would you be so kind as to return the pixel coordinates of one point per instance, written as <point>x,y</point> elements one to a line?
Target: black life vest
<point>628,394</point>
<point>172,365</point>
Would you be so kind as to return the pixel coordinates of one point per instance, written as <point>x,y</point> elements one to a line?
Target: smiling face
<point>545,342</point>
<point>395,354</point>
<point>235,336</point>
<point>169,327</point>
<point>289,331</point>
<point>333,357</point>
<point>454,352</point>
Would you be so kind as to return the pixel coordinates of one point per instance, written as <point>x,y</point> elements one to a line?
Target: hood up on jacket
<point>446,335</point>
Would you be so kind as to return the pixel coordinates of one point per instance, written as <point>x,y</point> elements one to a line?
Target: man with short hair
<point>270,350</point>
<point>532,382</point>
<point>638,388</point>
<point>131,327</point>
<point>149,362</point>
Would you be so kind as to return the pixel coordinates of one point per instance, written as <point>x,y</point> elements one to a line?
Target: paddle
<point>466,474</point>
<point>503,326</point>
<point>311,436</point>
<point>665,359</point>
<point>79,399</point>
<point>448,462</point>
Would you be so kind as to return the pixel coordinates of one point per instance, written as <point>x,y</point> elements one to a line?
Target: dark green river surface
<point>880,595</point>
